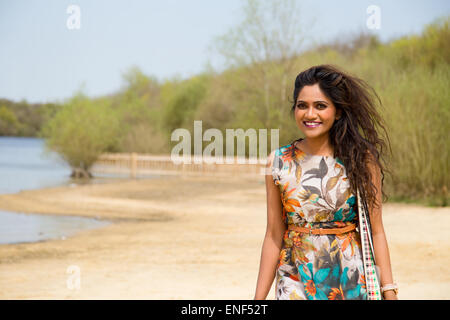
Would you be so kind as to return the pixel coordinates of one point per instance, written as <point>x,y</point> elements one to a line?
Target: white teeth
<point>312,123</point>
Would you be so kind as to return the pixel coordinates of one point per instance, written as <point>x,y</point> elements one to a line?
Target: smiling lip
<point>316,124</point>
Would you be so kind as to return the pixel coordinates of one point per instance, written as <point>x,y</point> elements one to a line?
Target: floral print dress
<point>315,193</point>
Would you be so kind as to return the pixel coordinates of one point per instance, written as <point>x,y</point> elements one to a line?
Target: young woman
<point>313,238</point>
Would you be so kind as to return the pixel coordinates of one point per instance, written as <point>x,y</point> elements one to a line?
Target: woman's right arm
<point>274,236</point>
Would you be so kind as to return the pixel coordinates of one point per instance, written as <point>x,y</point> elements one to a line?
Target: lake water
<point>20,227</point>
<point>24,166</point>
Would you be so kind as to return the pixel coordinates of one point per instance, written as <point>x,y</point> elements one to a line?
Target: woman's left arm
<point>381,249</point>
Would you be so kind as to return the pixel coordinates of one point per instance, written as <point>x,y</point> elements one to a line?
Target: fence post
<point>133,164</point>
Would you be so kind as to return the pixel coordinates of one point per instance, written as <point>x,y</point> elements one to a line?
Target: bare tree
<point>266,41</point>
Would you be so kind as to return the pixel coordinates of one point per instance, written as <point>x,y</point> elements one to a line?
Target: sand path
<point>189,237</point>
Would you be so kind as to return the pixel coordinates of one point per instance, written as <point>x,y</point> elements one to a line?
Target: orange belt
<point>342,230</point>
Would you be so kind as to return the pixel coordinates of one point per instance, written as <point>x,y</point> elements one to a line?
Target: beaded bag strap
<point>370,269</point>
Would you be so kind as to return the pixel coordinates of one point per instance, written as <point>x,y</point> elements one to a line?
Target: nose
<point>310,113</point>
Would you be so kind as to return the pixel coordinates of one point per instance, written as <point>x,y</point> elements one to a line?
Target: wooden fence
<point>140,164</point>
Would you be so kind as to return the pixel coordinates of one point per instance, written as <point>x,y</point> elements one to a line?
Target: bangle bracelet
<point>391,286</point>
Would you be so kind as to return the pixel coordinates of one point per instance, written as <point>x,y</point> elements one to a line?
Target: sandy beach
<point>189,237</point>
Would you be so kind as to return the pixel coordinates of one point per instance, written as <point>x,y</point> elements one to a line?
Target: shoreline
<point>188,237</point>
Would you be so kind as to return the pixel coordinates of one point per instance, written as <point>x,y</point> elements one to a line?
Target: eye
<point>321,106</point>
<point>300,105</point>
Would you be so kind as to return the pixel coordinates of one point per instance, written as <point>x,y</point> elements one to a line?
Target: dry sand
<point>189,237</point>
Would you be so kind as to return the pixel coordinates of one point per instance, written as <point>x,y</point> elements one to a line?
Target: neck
<point>319,145</point>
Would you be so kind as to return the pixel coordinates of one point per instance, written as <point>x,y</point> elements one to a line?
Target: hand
<point>390,295</point>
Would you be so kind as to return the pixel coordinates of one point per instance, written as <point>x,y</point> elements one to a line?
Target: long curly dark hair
<point>353,136</point>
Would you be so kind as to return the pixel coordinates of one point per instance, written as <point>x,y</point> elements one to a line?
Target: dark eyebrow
<point>319,101</point>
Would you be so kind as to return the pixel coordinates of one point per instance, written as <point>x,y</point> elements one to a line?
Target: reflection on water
<point>25,166</point>
<point>21,227</point>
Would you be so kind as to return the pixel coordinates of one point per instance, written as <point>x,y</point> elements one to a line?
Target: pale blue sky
<point>42,60</point>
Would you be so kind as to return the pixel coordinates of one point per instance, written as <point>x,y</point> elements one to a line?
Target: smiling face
<point>315,113</point>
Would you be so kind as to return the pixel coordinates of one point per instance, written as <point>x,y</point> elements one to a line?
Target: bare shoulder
<point>270,170</point>
<point>270,158</point>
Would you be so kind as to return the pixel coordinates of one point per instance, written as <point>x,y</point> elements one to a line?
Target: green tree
<point>9,125</point>
<point>139,109</point>
<point>181,101</point>
<point>82,130</point>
